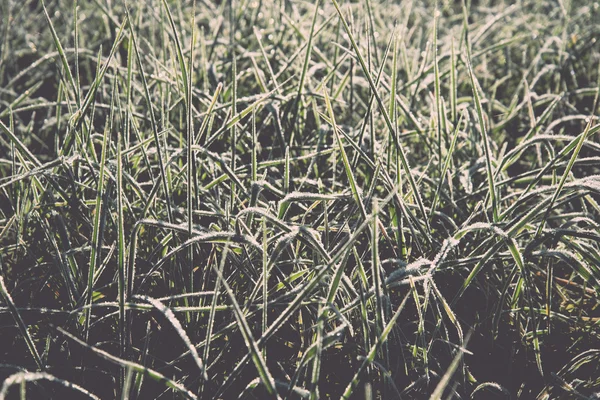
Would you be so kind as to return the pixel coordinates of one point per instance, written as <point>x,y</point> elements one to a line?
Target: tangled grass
<point>281,198</point>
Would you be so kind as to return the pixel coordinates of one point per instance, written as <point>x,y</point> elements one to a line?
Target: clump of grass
<point>269,199</point>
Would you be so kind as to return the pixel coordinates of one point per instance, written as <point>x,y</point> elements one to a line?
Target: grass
<point>299,199</point>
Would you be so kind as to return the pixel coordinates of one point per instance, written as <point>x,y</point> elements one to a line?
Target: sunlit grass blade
<point>485,139</point>
<point>347,166</point>
<point>383,111</point>
<point>309,50</point>
<point>445,380</point>
<point>62,55</point>
<point>19,145</point>
<point>91,95</point>
<point>178,328</point>
<point>96,245</point>
<point>159,155</point>
<point>21,378</point>
<point>579,143</point>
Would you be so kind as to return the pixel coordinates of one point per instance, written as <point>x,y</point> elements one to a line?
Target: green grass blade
<point>436,89</point>
<point>316,371</point>
<point>309,49</point>
<point>447,163</point>
<point>90,98</point>
<point>485,139</point>
<point>163,172</point>
<point>19,145</point>
<point>63,57</point>
<point>121,249</point>
<point>386,116</point>
<point>209,111</point>
<point>565,175</point>
<point>445,381</point>
<point>96,245</point>
<point>346,161</point>
<point>179,47</point>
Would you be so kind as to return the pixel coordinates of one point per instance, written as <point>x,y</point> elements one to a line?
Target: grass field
<point>255,199</point>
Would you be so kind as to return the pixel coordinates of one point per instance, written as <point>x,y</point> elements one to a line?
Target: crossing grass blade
<point>148,372</point>
<point>446,166</point>
<point>91,95</point>
<point>211,316</point>
<point>445,380</point>
<point>579,143</point>
<point>485,140</point>
<point>341,251</point>
<point>23,377</point>
<point>253,346</point>
<point>370,357</point>
<point>305,65</point>
<point>96,245</point>
<point>19,145</point>
<point>506,162</point>
<point>159,155</point>
<point>386,116</point>
<point>21,325</point>
<point>208,166</point>
<point>345,160</point>
<point>369,112</point>
<point>178,328</point>
<point>63,57</point>
<point>209,112</point>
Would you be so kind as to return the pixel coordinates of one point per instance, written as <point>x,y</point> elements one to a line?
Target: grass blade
<point>23,377</point>
<point>370,357</point>
<point>96,245</point>
<point>383,111</point>
<point>148,372</point>
<point>163,172</point>
<point>63,57</point>
<point>21,324</point>
<point>178,328</point>
<point>253,346</point>
<point>347,166</point>
<point>485,139</point>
